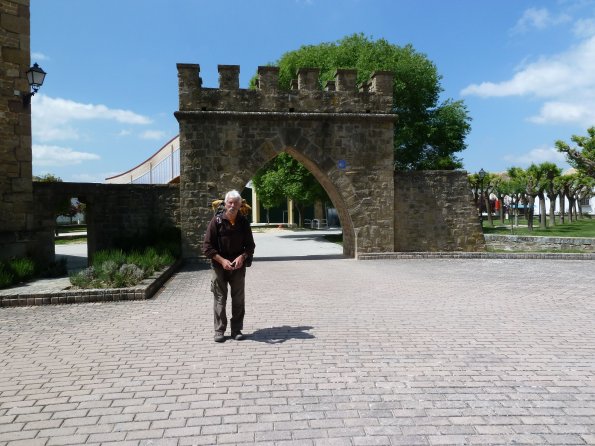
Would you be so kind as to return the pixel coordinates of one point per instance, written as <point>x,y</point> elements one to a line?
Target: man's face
<point>232,205</point>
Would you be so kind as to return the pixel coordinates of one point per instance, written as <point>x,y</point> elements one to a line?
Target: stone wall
<point>434,211</point>
<point>538,244</point>
<point>343,135</point>
<point>17,230</point>
<point>114,212</point>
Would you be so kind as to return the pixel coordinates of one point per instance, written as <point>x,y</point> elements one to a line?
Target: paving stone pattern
<point>340,352</point>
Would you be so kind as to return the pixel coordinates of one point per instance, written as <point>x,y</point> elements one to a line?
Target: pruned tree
<point>581,157</point>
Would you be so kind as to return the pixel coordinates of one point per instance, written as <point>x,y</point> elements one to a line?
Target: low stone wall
<point>529,243</point>
<point>434,211</point>
<point>144,290</point>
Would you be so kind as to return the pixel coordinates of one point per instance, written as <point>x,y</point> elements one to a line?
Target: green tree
<point>267,183</point>
<point>582,157</point>
<point>429,133</point>
<point>517,188</point>
<point>284,177</point>
<point>47,178</point>
<point>551,173</point>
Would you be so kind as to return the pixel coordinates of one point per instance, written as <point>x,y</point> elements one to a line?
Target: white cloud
<point>538,155</point>
<point>584,27</point>
<point>539,19</point>
<point>565,81</point>
<point>88,178</point>
<point>53,118</point>
<point>153,134</point>
<point>565,112</point>
<point>44,155</point>
<point>36,56</point>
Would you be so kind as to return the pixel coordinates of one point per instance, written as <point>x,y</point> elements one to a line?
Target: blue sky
<point>525,69</point>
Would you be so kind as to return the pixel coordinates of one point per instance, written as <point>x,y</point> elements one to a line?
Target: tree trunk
<point>542,214</point>
<point>530,212</point>
<point>553,209</point>
<point>562,207</point>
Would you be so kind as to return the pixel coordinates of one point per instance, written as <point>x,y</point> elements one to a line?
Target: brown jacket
<point>227,240</point>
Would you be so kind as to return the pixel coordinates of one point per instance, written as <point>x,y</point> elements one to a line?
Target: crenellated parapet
<point>341,95</point>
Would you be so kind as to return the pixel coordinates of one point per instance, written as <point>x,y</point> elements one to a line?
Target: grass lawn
<point>580,228</point>
<point>71,240</point>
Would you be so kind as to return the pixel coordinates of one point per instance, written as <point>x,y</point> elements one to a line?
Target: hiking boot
<point>219,337</point>
<point>238,336</point>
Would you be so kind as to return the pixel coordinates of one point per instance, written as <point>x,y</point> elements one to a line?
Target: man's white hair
<point>234,195</point>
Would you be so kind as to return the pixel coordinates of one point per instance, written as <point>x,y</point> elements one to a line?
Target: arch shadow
<point>278,335</point>
<point>306,257</point>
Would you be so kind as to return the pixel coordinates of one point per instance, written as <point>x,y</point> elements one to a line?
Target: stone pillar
<point>290,218</point>
<point>345,79</point>
<point>229,77</point>
<point>381,82</point>
<point>255,207</point>
<point>268,78</point>
<point>188,82</point>
<point>308,78</point>
<point>17,238</point>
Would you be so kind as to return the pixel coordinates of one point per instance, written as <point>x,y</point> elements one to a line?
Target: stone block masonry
<point>17,230</point>
<point>344,136</point>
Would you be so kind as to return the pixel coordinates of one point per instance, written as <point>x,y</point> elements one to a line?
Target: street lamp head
<point>482,174</point>
<point>35,77</point>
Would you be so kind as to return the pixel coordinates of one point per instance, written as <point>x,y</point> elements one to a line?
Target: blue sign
<point>342,164</point>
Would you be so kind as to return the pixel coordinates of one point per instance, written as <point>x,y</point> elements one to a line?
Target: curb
<point>475,255</point>
<point>144,290</point>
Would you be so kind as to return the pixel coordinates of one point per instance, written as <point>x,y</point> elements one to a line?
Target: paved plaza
<point>340,352</point>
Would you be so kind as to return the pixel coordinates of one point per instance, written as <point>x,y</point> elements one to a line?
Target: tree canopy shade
<point>284,177</point>
<point>428,134</point>
<point>583,157</point>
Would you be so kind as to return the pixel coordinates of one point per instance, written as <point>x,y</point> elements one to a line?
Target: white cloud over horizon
<point>37,56</point>
<point>54,118</point>
<point>48,155</point>
<point>537,156</point>
<point>153,134</point>
<point>564,82</point>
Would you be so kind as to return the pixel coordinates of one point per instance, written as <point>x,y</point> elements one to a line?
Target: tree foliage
<point>583,157</point>
<point>429,133</point>
<point>284,177</point>
<point>47,178</point>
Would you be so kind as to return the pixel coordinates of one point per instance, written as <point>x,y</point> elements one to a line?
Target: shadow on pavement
<point>278,335</point>
<point>306,257</point>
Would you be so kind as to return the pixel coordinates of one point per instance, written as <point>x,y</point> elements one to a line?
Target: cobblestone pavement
<point>340,352</point>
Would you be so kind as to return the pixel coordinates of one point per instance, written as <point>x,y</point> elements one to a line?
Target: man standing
<point>228,243</point>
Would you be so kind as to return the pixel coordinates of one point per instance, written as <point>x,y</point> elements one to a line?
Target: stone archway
<point>343,135</point>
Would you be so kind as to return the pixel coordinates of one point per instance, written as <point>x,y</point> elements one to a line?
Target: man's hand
<point>239,261</point>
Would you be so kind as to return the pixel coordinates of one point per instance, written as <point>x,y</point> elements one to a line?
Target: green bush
<point>16,271</point>
<point>6,277</point>
<point>24,269</point>
<point>116,269</point>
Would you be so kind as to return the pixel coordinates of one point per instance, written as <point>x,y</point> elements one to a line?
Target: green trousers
<point>219,283</point>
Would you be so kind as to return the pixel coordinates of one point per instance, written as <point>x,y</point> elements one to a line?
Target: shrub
<point>6,277</point>
<point>85,278</point>
<point>114,268</point>
<point>23,269</point>
<point>16,271</point>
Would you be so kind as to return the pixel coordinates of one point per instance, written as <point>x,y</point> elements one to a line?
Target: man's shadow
<point>278,335</point>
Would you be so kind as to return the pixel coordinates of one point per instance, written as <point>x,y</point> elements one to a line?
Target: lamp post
<point>481,174</point>
<point>35,77</point>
